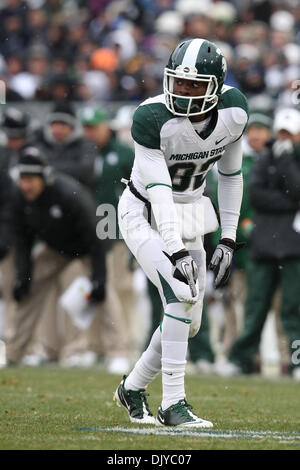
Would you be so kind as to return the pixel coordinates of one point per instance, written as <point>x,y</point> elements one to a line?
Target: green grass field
<point>51,408</point>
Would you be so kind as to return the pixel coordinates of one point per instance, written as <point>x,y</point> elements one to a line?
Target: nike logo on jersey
<point>220,140</point>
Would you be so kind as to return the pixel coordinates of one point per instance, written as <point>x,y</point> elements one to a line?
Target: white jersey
<point>189,155</point>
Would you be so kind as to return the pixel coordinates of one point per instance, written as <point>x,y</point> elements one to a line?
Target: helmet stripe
<point>191,54</point>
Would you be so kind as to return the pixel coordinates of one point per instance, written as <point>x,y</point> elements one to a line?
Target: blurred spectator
<point>16,129</point>
<point>114,161</point>
<point>230,299</point>
<point>228,52</point>
<point>290,93</point>
<point>56,40</point>
<point>27,82</point>
<point>13,34</point>
<point>274,192</point>
<point>170,21</point>
<point>121,124</point>
<point>56,210</point>
<point>14,65</point>
<point>97,73</point>
<point>37,25</point>
<point>5,213</point>
<point>65,146</point>
<point>57,85</point>
<point>117,47</point>
<point>223,15</point>
<point>53,8</point>
<point>255,140</point>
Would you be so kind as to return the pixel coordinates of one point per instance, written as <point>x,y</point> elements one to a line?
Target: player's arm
<point>230,193</point>
<point>230,188</point>
<point>230,180</point>
<point>157,181</point>
<point>151,162</point>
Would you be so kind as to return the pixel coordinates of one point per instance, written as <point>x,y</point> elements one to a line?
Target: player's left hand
<point>185,270</point>
<point>221,261</point>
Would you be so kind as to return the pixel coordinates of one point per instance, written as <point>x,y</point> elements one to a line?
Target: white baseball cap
<point>287,119</point>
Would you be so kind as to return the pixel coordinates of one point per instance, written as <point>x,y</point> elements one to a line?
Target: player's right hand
<point>185,270</point>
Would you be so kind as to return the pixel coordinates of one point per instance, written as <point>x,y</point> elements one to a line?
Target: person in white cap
<point>274,192</point>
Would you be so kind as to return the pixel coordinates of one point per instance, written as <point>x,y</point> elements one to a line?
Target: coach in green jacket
<point>274,193</point>
<point>114,159</point>
<point>258,133</point>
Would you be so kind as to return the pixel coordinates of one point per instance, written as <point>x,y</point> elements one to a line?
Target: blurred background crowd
<point>116,50</point>
<point>75,70</point>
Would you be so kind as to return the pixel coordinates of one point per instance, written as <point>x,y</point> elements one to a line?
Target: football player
<point>179,135</point>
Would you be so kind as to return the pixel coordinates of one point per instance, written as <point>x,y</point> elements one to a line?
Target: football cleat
<point>135,402</point>
<point>181,416</point>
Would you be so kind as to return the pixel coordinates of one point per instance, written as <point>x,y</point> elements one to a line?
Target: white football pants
<point>147,246</point>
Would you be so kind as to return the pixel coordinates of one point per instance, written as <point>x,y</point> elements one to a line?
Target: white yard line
<point>223,434</point>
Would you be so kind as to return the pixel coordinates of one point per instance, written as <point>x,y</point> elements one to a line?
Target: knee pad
<point>194,328</point>
<point>196,319</point>
<point>180,311</point>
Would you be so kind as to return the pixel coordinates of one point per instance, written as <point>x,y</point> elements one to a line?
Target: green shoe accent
<point>135,402</point>
<point>181,415</point>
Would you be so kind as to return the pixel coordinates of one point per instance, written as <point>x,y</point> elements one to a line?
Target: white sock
<point>174,350</point>
<point>148,366</point>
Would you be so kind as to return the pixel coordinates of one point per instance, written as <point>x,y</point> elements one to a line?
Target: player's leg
<point>169,346</point>
<point>131,391</point>
<point>157,267</point>
<point>136,231</point>
<point>181,321</point>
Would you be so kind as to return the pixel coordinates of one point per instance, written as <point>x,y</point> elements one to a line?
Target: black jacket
<point>5,206</point>
<point>274,192</point>
<point>64,217</point>
<point>75,156</point>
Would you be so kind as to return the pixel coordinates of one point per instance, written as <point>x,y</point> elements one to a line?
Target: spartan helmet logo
<point>224,65</point>
<point>198,60</point>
